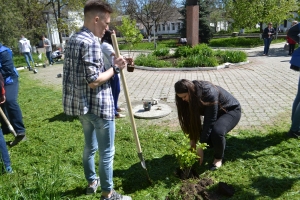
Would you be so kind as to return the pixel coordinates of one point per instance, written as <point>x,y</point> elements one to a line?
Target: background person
<point>87,94</point>
<point>268,36</point>
<point>291,42</point>
<point>11,107</point>
<point>109,53</point>
<point>48,46</point>
<point>294,131</point>
<point>25,49</point>
<point>220,109</point>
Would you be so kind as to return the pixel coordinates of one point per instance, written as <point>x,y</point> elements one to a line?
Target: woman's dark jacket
<point>266,31</point>
<point>220,102</point>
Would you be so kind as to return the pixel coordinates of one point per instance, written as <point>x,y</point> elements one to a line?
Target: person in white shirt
<point>25,49</point>
<point>109,53</point>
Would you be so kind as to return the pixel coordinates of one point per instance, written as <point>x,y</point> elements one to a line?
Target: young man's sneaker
<point>91,189</point>
<point>293,134</point>
<point>116,196</point>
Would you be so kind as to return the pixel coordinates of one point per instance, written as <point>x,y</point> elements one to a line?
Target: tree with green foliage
<point>246,14</point>
<point>20,17</point>
<point>60,10</point>
<point>205,33</point>
<point>130,32</point>
<point>149,12</point>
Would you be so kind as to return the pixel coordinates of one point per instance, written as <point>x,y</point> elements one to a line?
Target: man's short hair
<point>97,6</point>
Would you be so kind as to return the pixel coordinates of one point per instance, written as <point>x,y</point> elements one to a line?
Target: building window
<point>158,27</point>
<point>173,26</point>
<point>168,26</point>
<point>163,27</point>
<point>178,26</point>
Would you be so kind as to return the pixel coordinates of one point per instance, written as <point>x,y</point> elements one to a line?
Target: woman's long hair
<point>189,112</point>
<point>107,37</point>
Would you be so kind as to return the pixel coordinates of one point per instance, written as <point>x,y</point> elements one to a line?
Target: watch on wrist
<point>116,69</point>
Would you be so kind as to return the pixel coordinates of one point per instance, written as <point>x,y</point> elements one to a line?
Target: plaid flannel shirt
<point>83,63</point>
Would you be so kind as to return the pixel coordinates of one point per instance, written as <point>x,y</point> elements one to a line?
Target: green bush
<point>230,56</point>
<point>151,61</point>
<point>236,42</point>
<point>202,49</point>
<point>198,61</point>
<point>161,52</point>
<point>187,156</point>
<point>183,51</point>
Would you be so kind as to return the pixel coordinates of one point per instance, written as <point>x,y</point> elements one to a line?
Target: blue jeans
<point>12,109</point>
<point>28,57</point>
<point>115,89</point>
<point>267,42</point>
<point>99,134</point>
<point>296,111</point>
<point>48,54</point>
<point>4,156</point>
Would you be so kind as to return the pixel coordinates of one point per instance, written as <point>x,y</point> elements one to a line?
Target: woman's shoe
<point>120,109</point>
<point>213,167</point>
<point>120,116</point>
<point>293,134</point>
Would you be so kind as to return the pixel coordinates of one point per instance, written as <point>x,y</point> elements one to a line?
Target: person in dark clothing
<point>268,36</point>
<point>291,42</point>
<point>11,107</point>
<point>4,156</point>
<point>221,112</point>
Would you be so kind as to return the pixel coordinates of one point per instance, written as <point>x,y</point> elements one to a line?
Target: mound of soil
<point>197,191</point>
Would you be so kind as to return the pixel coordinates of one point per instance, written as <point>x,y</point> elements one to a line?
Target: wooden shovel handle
<point>133,126</point>
<point>7,122</point>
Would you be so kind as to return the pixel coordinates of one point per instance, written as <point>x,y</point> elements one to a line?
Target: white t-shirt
<point>107,51</point>
<point>24,45</point>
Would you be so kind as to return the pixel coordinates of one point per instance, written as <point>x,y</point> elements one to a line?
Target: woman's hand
<point>2,99</point>
<point>199,151</point>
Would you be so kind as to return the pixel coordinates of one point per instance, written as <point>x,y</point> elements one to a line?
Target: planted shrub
<point>182,51</point>
<point>187,156</point>
<point>235,42</point>
<point>151,61</point>
<point>202,49</point>
<point>236,56</point>
<point>161,52</point>
<point>198,61</point>
<point>230,56</point>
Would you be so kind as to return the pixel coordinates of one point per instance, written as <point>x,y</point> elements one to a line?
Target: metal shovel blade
<point>142,160</point>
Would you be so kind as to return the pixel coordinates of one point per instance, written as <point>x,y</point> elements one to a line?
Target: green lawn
<point>260,164</point>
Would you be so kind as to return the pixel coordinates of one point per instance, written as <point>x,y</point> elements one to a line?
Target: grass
<point>261,164</point>
<point>19,59</point>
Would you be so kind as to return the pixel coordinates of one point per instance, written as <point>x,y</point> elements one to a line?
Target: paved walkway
<point>265,86</point>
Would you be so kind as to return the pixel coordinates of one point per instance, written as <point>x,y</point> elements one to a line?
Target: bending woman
<point>220,109</point>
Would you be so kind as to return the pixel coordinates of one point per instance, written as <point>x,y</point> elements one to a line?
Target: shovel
<point>133,126</point>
